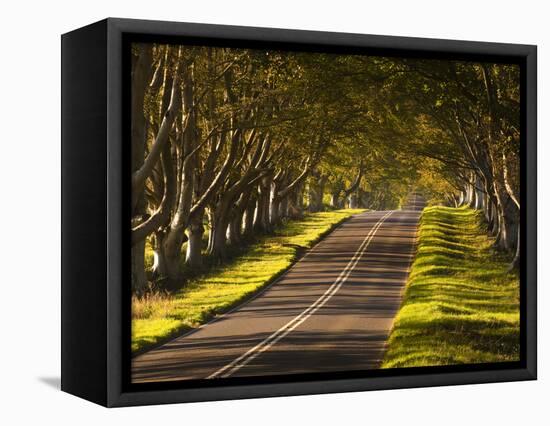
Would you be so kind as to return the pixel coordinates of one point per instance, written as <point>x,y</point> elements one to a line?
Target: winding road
<point>332,311</point>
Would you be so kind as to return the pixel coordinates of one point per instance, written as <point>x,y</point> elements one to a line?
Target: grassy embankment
<point>159,316</point>
<point>460,305</point>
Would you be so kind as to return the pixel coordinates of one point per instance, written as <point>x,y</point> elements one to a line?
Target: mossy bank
<point>461,305</point>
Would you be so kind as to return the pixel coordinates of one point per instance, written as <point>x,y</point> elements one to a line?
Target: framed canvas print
<point>252,212</point>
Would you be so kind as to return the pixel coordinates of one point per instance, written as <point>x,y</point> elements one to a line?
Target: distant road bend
<point>332,311</point>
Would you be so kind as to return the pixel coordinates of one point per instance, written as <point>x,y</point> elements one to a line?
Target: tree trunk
<point>211,220</point>
<point>490,216</point>
<point>470,194</point>
<point>218,250</point>
<point>140,175</point>
<point>353,191</point>
<point>479,194</point>
<point>461,199</point>
<point>159,263</point>
<point>515,262</point>
<point>169,257</point>
<point>335,199</point>
<point>295,204</point>
<point>234,230</point>
<point>366,199</point>
<point>175,234</point>
<point>261,221</point>
<point>353,201</point>
<point>315,195</point>
<point>249,218</point>
<point>275,213</point>
<point>508,217</point>
<point>264,224</point>
<point>195,231</point>
<point>284,207</point>
<point>141,68</point>
<point>511,215</point>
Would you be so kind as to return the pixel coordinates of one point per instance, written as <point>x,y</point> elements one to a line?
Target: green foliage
<point>158,316</point>
<point>274,118</point>
<point>461,306</point>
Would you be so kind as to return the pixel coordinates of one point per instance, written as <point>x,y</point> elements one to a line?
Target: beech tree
<point>230,143</point>
<point>466,118</point>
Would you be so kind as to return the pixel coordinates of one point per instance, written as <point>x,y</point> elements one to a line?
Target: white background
<point>30,211</point>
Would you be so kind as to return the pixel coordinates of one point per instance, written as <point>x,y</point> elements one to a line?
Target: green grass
<point>460,305</point>
<point>159,316</point>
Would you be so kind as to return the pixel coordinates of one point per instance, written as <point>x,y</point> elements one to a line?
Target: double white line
<point>271,340</point>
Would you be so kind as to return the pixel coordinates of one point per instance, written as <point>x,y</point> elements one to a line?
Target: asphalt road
<point>332,311</point>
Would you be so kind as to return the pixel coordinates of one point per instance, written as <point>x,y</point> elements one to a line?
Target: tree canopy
<point>226,143</point>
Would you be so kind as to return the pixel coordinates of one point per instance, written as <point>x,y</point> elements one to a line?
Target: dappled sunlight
<point>231,146</point>
<point>332,311</point>
<point>159,317</point>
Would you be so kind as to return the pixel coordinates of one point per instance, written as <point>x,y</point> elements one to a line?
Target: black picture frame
<point>95,282</point>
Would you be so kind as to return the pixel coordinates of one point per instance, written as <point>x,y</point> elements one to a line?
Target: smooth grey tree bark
<point>316,190</point>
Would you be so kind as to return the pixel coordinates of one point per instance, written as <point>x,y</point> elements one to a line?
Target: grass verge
<point>460,305</point>
<point>158,317</point>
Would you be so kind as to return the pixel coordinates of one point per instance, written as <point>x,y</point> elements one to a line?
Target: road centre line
<point>272,339</point>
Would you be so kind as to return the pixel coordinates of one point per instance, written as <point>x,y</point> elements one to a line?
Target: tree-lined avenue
<point>332,311</point>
